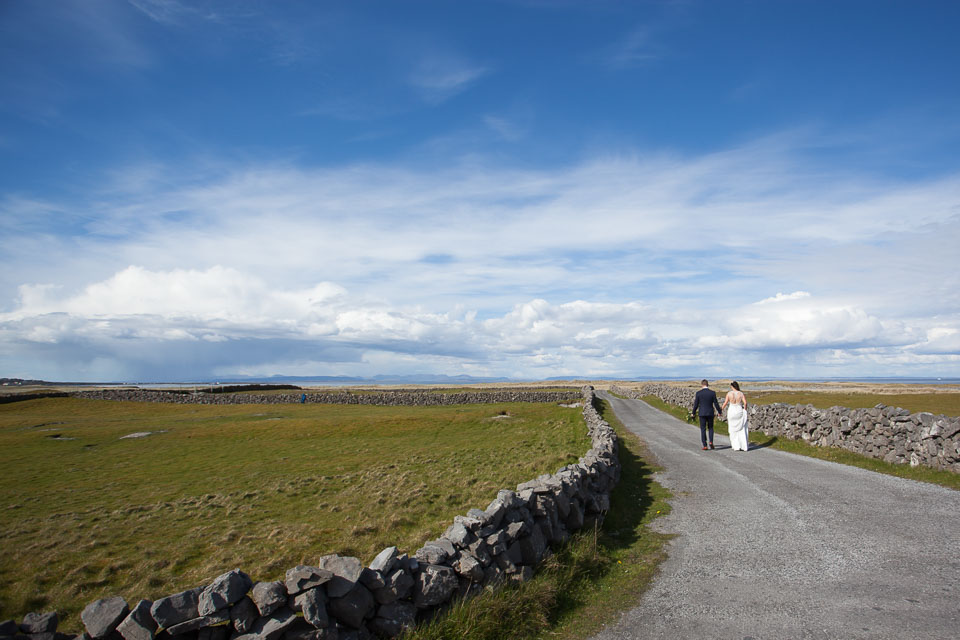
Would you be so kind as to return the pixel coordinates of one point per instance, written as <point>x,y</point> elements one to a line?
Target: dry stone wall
<point>341,599</point>
<point>381,398</point>
<point>887,433</point>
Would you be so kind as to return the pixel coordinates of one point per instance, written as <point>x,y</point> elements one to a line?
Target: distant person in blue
<point>703,405</point>
<point>303,398</point>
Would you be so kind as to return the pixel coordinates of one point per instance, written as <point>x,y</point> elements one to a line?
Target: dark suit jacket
<point>705,400</point>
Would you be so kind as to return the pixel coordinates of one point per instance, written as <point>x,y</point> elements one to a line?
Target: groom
<point>705,401</point>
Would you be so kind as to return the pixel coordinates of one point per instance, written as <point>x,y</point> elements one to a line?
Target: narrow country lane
<point>774,545</point>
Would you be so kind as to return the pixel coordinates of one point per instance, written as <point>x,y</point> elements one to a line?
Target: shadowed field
<point>86,513</point>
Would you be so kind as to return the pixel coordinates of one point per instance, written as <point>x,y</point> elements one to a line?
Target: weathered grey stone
<point>269,596</point>
<point>459,535</point>
<point>101,617</point>
<point>313,604</point>
<point>393,619</point>
<point>505,563</point>
<point>177,608</point>
<point>302,630</point>
<point>385,560</point>
<point>533,546</point>
<point>372,580</point>
<point>244,614</point>
<point>38,623</point>
<point>223,592</point>
<point>270,627</point>
<point>354,607</point>
<point>434,585</point>
<point>508,499</point>
<point>469,567</point>
<point>302,577</point>
<point>139,624</point>
<point>187,626</point>
<point>346,572</point>
<point>431,553</point>
<point>399,584</point>
<point>479,550</point>
<point>514,530</point>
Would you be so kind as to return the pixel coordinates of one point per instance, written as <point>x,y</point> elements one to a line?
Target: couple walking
<point>703,405</point>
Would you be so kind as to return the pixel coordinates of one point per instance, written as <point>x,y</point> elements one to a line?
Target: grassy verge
<point>585,584</point>
<point>86,513</point>
<point>923,474</point>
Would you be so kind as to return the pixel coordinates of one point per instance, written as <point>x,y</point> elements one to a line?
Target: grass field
<point>923,474</point>
<point>589,581</point>
<point>86,514</point>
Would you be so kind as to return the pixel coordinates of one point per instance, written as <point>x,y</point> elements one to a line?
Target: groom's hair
<point>704,383</point>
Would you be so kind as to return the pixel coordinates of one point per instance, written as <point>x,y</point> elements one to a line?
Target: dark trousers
<point>706,422</point>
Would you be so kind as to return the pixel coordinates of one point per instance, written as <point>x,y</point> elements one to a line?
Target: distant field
<point>258,487</point>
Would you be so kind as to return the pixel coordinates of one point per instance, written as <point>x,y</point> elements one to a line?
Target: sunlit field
<point>86,513</point>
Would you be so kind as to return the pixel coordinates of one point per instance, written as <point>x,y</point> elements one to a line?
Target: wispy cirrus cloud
<point>439,77</point>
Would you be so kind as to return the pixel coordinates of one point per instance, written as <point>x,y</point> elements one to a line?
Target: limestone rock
<point>225,590</point>
<point>269,596</point>
<point>187,626</point>
<point>385,560</point>
<point>38,623</point>
<point>244,614</point>
<point>372,580</point>
<point>533,547</point>
<point>434,585</point>
<point>353,607</point>
<point>270,627</point>
<point>139,624</point>
<point>177,608</point>
<point>101,617</point>
<point>302,577</point>
<point>393,619</point>
<point>345,574</point>
<point>9,628</point>
<point>313,604</point>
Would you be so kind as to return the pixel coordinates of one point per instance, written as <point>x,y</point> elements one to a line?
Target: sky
<point>517,188</point>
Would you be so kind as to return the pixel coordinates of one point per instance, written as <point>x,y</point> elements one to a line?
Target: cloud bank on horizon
<point>500,188</point>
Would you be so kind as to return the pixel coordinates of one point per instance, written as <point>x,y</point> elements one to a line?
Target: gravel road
<point>775,545</point>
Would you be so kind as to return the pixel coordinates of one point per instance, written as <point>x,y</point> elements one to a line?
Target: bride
<point>736,417</point>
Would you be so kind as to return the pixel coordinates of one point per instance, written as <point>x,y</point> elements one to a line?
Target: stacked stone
<point>340,599</point>
<point>379,398</point>
<point>886,433</point>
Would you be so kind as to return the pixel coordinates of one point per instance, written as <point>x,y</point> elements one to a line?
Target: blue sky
<point>515,188</point>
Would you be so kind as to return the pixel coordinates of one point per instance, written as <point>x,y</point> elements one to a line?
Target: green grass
<point>586,583</point>
<point>923,474</point>
<point>259,487</point>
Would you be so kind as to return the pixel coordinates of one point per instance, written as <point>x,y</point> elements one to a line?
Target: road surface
<point>775,545</point>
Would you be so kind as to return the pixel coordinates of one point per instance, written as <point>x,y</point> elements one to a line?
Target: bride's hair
<point>735,385</point>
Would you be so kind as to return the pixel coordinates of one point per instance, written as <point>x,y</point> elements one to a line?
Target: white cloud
<point>439,77</point>
<point>619,264</point>
<point>780,297</point>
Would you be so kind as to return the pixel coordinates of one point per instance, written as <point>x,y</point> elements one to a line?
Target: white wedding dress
<point>737,427</point>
